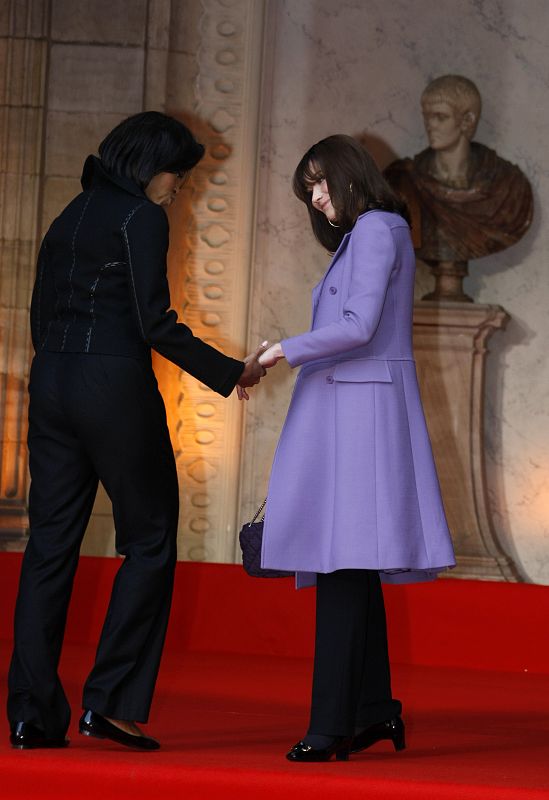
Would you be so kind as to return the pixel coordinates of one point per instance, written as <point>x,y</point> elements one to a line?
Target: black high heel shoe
<point>304,752</point>
<point>392,729</point>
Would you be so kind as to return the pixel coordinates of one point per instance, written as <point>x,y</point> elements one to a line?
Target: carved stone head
<point>451,108</point>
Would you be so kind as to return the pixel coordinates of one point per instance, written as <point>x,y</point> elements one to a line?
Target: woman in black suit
<point>100,304</point>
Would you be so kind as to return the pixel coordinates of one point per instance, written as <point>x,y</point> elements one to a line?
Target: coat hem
<point>305,579</point>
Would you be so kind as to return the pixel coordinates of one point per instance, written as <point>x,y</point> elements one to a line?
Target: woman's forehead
<point>313,172</point>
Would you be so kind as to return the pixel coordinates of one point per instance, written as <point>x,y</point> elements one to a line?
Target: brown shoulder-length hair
<point>354,182</point>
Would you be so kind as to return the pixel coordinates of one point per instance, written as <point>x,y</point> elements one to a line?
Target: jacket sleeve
<point>146,241</point>
<point>373,257</point>
<point>42,308</point>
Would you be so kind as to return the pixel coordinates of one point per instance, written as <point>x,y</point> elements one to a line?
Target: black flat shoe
<point>392,729</point>
<point>92,724</point>
<point>25,736</point>
<point>304,752</point>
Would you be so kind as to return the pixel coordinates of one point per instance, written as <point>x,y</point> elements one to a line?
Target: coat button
<point>329,379</point>
<point>333,290</point>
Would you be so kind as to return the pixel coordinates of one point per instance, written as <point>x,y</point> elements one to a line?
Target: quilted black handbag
<point>250,538</point>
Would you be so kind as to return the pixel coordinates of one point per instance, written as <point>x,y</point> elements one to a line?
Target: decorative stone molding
<point>216,249</point>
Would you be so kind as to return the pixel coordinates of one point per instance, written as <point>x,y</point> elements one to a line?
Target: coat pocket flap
<point>362,370</point>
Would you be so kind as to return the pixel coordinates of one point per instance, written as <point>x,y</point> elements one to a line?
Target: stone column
<point>23,69</point>
<point>450,348</point>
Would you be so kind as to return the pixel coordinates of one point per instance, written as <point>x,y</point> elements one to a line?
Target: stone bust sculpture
<point>465,201</point>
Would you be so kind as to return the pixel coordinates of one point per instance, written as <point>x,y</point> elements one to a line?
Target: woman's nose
<point>317,193</point>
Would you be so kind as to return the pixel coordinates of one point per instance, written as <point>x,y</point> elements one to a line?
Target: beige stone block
<point>13,472</point>
<point>155,89</point>
<point>25,18</point>
<point>99,21</point>
<point>23,69</point>
<point>20,137</point>
<point>14,363</point>
<point>5,19</point>
<point>17,270</point>
<point>181,76</point>
<point>158,34</point>
<point>57,193</point>
<point>71,137</point>
<point>90,78</point>
<point>6,23</point>
<point>18,203</point>
<point>185,26</point>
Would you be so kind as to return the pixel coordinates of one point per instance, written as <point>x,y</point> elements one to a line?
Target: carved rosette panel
<point>23,58</point>
<point>217,252</point>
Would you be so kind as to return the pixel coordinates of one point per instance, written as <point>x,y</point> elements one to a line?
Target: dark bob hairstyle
<point>354,182</point>
<point>145,144</point>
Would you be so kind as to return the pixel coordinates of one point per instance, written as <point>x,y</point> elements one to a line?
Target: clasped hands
<point>256,365</point>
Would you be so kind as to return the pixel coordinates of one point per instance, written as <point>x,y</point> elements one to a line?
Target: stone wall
<point>280,75</point>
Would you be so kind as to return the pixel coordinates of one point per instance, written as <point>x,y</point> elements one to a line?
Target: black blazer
<point>101,283</point>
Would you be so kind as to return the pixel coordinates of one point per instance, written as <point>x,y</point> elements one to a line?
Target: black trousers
<point>352,678</point>
<point>95,417</point>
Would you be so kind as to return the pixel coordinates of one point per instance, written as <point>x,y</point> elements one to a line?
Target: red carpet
<point>471,664</point>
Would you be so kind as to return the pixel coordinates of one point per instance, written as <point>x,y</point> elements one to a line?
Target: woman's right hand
<point>271,355</point>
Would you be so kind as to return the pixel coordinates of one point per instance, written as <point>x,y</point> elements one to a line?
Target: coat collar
<point>94,174</point>
<point>317,291</point>
<point>346,236</point>
<point>340,249</point>
<point>342,245</point>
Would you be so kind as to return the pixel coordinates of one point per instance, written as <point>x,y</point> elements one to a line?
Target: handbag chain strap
<point>258,512</point>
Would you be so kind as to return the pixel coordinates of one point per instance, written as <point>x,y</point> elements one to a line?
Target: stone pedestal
<point>450,348</point>
<point>448,277</point>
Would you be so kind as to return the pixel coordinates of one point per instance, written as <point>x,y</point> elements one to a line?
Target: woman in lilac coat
<point>353,497</point>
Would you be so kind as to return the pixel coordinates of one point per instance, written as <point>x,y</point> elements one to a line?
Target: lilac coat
<point>353,483</point>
